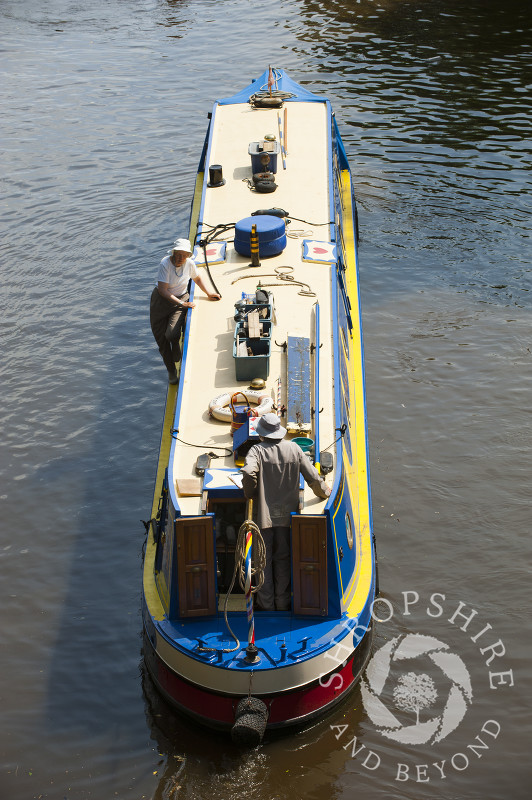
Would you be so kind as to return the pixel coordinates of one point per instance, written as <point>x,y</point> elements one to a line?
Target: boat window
<point>345,340</point>
<point>348,530</point>
<point>344,295</point>
<point>165,529</point>
<point>347,437</point>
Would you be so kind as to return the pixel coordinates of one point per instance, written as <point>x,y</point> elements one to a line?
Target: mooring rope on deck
<point>281,276</point>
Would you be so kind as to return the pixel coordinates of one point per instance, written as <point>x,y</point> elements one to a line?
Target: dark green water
<point>103,115</point>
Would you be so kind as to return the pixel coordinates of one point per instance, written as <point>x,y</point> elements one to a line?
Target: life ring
<point>220,407</point>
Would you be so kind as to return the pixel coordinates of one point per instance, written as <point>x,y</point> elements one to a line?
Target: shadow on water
<point>97,635</point>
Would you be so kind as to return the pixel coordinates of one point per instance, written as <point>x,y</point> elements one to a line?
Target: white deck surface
<point>303,192</point>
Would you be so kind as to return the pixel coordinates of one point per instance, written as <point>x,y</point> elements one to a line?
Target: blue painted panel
<point>303,640</point>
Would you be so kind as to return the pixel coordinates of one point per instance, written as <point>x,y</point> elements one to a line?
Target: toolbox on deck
<point>252,338</point>
<point>256,365</point>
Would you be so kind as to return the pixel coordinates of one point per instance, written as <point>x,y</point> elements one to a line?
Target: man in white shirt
<point>170,300</point>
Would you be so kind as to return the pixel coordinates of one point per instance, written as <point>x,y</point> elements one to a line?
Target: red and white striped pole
<point>251,650</point>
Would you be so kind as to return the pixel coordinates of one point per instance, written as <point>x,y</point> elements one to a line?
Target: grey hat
<point>269,427</point>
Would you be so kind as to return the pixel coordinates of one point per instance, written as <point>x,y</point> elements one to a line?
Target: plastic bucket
<point>304,443</point>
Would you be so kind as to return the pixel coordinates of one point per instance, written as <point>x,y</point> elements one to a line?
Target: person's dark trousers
<point>167,320</point>
<point>275,591</point>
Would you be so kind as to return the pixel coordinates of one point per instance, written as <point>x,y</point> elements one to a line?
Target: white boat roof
<point>303,190</point>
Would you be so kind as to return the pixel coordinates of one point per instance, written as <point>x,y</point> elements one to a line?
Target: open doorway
<point>228,517</point>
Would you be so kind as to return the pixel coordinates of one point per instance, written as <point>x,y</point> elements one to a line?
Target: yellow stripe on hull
<point>356,594</point>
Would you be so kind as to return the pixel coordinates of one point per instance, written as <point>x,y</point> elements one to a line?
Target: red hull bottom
<point>296,707</point>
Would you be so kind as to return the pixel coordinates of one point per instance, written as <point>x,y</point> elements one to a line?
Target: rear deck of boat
<point>209,366</point>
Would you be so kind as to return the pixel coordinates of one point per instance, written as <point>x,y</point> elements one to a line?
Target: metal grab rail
<point>317,385</point>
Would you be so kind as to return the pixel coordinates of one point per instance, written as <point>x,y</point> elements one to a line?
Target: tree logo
<point>414,690</point>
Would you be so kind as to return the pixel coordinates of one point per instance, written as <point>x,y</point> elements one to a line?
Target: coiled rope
<point>259,555</point>
<point>282,274</point>
<point>211,236</point>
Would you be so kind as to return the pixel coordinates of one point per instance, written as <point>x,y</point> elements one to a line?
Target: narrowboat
<point>273,226</point>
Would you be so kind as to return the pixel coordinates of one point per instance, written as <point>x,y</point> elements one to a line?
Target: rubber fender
<point>251,705</point>
<point>251,716</point>
<point>264,187</point>
<point>272,212</point>
<point>267,102</point>
<point>263,176</point>
<point>248,730</point>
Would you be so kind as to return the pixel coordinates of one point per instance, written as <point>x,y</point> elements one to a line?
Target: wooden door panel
<point>195,566</point>
<point>309,565</point>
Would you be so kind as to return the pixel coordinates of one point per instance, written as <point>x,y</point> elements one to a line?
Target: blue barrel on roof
<point>270,230</point>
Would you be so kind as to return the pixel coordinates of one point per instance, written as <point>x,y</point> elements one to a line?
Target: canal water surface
<point>104,109</point>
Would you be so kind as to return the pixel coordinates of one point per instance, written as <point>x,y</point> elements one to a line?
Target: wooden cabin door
<point>195,566</point>
<point>309,565</point>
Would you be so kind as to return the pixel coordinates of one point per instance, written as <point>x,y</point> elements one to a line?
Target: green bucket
<point>305,443</point>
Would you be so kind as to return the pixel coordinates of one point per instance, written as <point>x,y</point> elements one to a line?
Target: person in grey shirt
<point>271,474</point>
